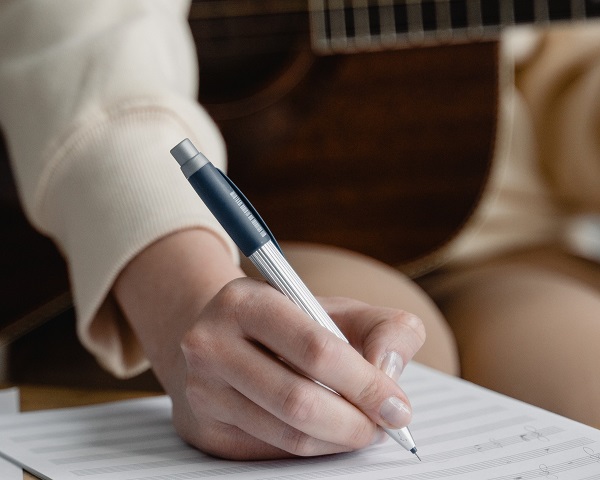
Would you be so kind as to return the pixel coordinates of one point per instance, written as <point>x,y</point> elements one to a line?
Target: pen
<point>252,236</point>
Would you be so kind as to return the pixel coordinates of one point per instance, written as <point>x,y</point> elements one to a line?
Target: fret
<point>541,11</point>
<point>507,13</point>
<point>350,25</point>
<point>444,21</point>
<point>319,27</point>
<point>415,21</point>
<point>362,28</point>
<point>387,24</point>
<point>578,8</point>
<point>337,24</point>
<point>474,20</point>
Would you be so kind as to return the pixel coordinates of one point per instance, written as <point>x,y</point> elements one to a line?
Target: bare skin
<point>228,350</point>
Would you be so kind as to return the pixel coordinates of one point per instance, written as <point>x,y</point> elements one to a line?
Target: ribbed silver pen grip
<point>279,273</point>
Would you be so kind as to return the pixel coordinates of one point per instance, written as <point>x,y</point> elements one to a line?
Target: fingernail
<point>395,412</point>
<point>392,364</point>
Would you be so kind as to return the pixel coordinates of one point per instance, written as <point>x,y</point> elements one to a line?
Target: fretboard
<point>350,25</point>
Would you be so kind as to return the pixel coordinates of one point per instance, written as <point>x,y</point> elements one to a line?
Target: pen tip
<point>414,450</point>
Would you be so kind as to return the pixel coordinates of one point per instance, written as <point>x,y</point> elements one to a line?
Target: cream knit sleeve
<point>92,96</point>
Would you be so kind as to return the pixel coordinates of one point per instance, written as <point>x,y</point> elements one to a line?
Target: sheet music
<point>462,431</point>
<point>9,403</point>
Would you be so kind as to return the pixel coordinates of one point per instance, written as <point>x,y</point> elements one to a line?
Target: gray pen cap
<point>188,157</point>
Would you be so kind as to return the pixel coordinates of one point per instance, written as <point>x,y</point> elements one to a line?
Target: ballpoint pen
<point>243,224</point>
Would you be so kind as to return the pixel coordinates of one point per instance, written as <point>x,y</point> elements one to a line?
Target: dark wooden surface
<point>383,153</point>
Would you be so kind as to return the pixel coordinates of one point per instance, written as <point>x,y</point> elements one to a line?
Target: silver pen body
<point>275,268</point>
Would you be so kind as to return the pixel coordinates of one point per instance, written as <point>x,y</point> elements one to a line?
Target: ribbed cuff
<point>114,190</point>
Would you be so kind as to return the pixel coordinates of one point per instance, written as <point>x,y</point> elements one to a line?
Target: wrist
<point>164,288</point>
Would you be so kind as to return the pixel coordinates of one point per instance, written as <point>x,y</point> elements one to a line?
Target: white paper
<point>9,403</point>
<point>462,432</point>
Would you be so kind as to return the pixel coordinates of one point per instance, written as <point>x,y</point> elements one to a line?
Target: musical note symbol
<point>592,454</point>
<point>545,470</point>
<point>496,443</point>
<point>534,433</point>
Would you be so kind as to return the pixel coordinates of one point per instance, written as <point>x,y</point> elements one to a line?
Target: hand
<point>235,382</point>
<point>244,402</point>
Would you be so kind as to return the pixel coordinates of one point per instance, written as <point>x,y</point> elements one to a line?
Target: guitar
<point>339,133</point>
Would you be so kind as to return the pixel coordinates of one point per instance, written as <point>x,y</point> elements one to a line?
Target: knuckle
<point>407,327</point>
<point>372,393</point>
<point>197,397</point>
<point>198,348</point>
<point>192,394</point>
<point>193,342</point>
<point>233,295</point>
<point>416,325</point>
<point>360,436</point>
<point>319,350</point>
<point>300,405</point>
<point>224,441</point>
<point>237,303</point>
<point>298,443</point>
<point>220,440</point>
<point>301,444</point>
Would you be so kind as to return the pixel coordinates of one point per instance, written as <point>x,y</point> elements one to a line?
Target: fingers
<point>241,429</point>
<point>248,360</point>
<point>324,357</point>
<point>262,396</point>
<point>197,426</point>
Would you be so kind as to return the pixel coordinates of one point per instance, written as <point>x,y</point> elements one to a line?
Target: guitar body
<point>382,152</point>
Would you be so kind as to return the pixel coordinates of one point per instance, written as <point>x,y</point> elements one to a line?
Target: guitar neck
<point>344,26</point>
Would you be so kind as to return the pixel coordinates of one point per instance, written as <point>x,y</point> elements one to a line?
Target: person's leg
<point>330,271</point>
<point>528,325</point>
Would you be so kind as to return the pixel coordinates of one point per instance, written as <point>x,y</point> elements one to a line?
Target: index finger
<point>291,334</point>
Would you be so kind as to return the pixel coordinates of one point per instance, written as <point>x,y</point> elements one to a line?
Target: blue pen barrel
<point>222,198</point>
<point>229,209</point>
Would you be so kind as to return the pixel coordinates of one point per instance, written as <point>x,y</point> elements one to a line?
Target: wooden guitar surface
<point>381,152</point>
